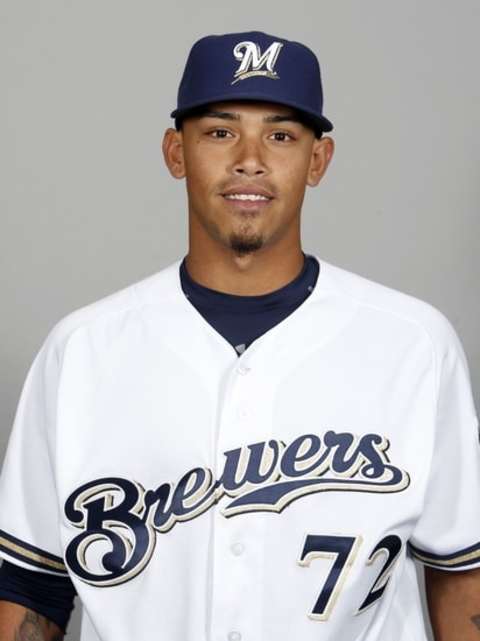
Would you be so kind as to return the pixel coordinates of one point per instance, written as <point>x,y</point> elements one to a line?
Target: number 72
<point>343,550</point>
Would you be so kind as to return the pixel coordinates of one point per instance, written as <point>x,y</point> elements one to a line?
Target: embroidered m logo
<point>252,60</point>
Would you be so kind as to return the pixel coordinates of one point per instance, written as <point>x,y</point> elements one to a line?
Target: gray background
<point>87,205</point>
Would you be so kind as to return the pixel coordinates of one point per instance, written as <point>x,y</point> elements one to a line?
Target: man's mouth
<point>244,203</point>
<point>245,197</point>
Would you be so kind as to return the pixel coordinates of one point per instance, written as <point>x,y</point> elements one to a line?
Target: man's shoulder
<point>388,305</point>
<point>159,288</point>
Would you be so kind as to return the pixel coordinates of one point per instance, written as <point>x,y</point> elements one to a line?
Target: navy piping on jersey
<point>242,319</point>
<point>31,554</point>
<point>459,559</point>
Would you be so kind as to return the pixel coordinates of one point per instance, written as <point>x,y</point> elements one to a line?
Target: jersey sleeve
<point>48,595</point>
<point>29,513</point>
<point>447,534</point>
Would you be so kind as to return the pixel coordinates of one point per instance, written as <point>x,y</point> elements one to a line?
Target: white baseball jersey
<point>192,494</point>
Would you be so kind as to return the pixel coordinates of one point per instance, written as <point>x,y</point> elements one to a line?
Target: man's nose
<point>250,158</point>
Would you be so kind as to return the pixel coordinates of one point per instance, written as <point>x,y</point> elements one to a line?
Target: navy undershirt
<point>240,320</point>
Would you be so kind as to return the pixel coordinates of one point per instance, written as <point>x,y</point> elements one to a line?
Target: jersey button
<point>243,369</point>
<point>237,548</point>
<point>234,636</point>
<point>243,413</point>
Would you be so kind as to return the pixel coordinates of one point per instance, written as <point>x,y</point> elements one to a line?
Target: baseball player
<point>251,444</point>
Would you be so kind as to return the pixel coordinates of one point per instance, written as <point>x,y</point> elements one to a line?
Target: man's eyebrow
<point>283,118</point>
<point>228,115</point>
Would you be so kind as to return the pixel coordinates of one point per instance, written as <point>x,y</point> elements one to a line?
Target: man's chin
<point>243,245</point>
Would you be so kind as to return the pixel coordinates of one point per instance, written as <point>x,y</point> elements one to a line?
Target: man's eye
<point>221,133</point>
<point>282,133</point>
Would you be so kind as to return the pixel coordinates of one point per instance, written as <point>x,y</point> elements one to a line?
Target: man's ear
<point>172,147</point>
<point>322,152</point>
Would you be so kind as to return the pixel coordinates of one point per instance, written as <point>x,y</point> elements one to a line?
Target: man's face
<point>246,167</point>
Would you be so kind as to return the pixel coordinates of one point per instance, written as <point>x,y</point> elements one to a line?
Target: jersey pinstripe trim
<point>30,554</point>
<point>461,559</point>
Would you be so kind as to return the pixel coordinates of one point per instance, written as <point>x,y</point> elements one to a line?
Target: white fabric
<point>130,393</point>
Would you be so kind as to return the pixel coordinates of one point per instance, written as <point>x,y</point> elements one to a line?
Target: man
<point>251,443</point>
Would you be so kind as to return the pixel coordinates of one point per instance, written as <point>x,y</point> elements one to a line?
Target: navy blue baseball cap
<point>252,65</point>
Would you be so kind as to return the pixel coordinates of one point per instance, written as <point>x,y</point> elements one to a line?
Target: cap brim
<point>320,121</point>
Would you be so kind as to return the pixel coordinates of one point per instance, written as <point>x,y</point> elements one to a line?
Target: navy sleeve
<point>49,595</point>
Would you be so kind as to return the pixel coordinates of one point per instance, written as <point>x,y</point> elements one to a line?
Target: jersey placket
<point>238,540</point>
